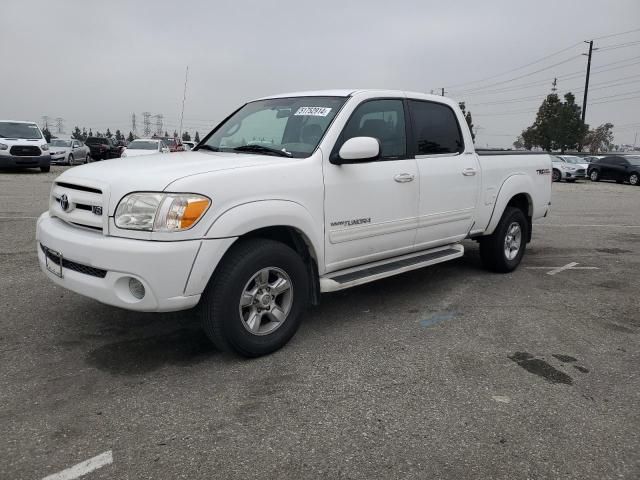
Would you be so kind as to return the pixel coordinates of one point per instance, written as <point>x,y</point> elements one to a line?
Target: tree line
<point>83,134</point>
<point>559,126</point>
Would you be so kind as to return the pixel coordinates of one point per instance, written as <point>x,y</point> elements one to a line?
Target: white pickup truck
<point>290,196</point>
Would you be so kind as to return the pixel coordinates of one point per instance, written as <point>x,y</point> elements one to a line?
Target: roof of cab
<point>352,92</point>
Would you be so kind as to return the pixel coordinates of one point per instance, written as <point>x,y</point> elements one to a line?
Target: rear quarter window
<point>435,128</point>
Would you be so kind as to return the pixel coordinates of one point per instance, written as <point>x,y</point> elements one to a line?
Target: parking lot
<point>445,372</point>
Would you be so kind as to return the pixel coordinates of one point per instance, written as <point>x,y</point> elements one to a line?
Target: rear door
<point>449,175</point>
<point>371,207</point>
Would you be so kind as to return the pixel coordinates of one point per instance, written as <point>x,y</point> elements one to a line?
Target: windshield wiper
<point>208,147</point>
<point>262,149</point>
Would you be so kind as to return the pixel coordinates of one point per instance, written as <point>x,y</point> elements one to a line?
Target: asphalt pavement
<point>447,372</point>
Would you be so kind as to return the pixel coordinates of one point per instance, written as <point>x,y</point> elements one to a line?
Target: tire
<point>556,176</point>
<point>594,175</point>
<point>228,324</point>
<point>70,159</point>
<point>493,247</point>
<point>45,169</point>
<point>86,159</point>
<point>634,178</point>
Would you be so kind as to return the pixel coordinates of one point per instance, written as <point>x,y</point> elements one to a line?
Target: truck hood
<point>155,173</point>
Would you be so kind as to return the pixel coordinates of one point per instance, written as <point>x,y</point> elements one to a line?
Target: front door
<point>449,176</point>
<point>371,207</point>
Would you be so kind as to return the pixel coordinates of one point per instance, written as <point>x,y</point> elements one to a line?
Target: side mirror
<point>358,149</point>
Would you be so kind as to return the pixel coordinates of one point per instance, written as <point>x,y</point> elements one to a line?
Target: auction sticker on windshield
<point>313,111</point>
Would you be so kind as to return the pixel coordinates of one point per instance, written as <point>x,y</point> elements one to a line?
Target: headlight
<point>45,147</point>
<point>160,212</point>
<point>3,146</point>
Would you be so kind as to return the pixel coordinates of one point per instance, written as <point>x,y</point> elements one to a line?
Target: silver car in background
<point>68,152</point>
<point>567,171</point>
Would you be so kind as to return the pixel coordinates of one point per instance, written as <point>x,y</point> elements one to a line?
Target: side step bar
<point>350,277</point>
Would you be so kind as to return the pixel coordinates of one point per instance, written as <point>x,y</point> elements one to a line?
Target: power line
<point>620,45</point>
<point>518,68</point>
<point>617,34</point>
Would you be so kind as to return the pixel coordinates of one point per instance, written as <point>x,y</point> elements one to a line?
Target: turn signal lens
<point>180,211</point>
<point>193,212</point>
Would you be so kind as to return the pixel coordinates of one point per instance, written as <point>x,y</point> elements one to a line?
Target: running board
<point>350,277</point>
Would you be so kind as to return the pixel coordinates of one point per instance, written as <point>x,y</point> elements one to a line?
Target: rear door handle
<point>469,172</point>
<point>404,177</point>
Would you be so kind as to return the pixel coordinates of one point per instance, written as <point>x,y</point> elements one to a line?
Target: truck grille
<point>78,205</point>
<point>25,151</point>
<point>76,267</point>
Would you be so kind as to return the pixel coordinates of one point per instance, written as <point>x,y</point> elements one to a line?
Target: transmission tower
<point>134,128</point>
<point>60,125</point>
<point>147,123</point>
<point>159,118</point>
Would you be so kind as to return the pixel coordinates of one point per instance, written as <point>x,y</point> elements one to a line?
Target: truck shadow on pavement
<point>138,343</point>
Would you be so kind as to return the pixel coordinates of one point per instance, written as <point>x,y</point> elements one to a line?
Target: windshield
<point>60,143</point>
<point>28,131</point>
<point>293,125</point>
<point>143,145</point>
<point>634,160</point>
<point>574,160</point>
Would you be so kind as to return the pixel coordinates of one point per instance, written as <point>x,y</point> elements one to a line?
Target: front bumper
<point>58,159</point>
<point>12,161</point>
<point>163,268</point>
<point>575,174</point>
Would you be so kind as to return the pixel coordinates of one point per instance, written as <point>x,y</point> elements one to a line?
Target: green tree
<point>90,133</point>
<point>119,135</point>
<point>197,137</point>
<point>557,126</point>
<point>130,138</point>
<point>77,134</point>
<point>467,117</point>
<point>600,139</point>
<point>47,134</point>
<point>175,134</point>
<point>84,134</point>
<point>108,134</point>
<point>519,143</point>
<point>186,136</point>
<point>166,134</point>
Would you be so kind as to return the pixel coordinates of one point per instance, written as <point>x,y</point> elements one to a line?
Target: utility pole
<point>146,119</point>
<point>586,82</point>
<point>159,117</point>
<point>60,125</point>
<point>443,91</point>
<point>184,97</point>
<point>134,128</point>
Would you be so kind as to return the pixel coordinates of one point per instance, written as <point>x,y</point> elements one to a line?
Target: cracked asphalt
<point>446,372</point>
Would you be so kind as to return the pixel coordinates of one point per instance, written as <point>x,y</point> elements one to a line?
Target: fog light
<point>136,288</point>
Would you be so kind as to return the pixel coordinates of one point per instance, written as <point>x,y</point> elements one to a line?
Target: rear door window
<point>435,128</point>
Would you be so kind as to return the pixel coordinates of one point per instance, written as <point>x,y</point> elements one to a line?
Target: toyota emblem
<point>64,203</point>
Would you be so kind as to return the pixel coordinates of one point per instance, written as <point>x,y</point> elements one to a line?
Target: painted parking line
<point>83,468</point>
<point>568,266</point>
<point>572,225</point>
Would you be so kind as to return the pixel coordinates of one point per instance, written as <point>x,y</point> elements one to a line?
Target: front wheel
<point>594,176</point>
<point>502,251</point>
<point>556,176</point>
<point>70,159</point>
<point>254,302</point>
<point>634,179</point>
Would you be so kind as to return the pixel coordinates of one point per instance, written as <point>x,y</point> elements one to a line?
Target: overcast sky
<point>95,63</point>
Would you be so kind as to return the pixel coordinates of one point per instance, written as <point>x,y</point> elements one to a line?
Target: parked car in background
<point>22,145</point>
<point>174,144</point>
<point>145,146</point>
<point>616,167</point>
<point>102,148</point>
<point>68,152</point>
<point>563,170</point>
<point>579,162</point>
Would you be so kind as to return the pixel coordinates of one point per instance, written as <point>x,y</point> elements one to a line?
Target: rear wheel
<point>503,250</point>
<point>594,176</point>
<point>634,179</point>
<point>254,302</point>
<point>556,176</point>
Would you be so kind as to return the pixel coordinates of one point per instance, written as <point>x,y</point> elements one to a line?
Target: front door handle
<point>469,172</point>
<point>404,177</point>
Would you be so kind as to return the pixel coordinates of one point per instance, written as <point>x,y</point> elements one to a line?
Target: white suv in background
<point>22,145</point>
